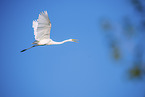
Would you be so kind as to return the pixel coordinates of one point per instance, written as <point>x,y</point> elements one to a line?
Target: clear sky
<point>82,69</point>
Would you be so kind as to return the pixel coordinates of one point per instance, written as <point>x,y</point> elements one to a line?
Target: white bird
<point>42,27</point>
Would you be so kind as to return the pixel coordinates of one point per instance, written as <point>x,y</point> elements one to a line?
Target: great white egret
<point>42,28</point>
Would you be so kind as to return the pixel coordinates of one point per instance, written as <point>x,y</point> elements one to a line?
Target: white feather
<point>42,27</point>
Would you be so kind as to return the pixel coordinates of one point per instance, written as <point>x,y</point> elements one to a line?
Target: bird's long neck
<point>61,42</point>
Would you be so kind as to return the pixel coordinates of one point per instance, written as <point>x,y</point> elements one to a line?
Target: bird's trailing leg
<point>29,48</point>
<point>35,42</point>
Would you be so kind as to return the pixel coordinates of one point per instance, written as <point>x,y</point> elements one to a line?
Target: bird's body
<point>42,27</point>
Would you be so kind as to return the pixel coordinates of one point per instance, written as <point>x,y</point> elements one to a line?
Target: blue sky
<point>83,69</point>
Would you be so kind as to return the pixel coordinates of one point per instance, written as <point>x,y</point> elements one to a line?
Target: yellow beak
<point>75,40</point>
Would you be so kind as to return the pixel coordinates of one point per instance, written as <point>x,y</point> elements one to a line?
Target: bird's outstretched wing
<point>42,27</point>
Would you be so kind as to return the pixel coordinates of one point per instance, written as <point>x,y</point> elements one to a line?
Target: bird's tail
<point>29,48</point>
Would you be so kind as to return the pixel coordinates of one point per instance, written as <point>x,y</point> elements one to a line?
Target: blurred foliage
<point>138,5</point>
<point>135,72</point>
<point>128,31</point>
<point>116,52</point>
